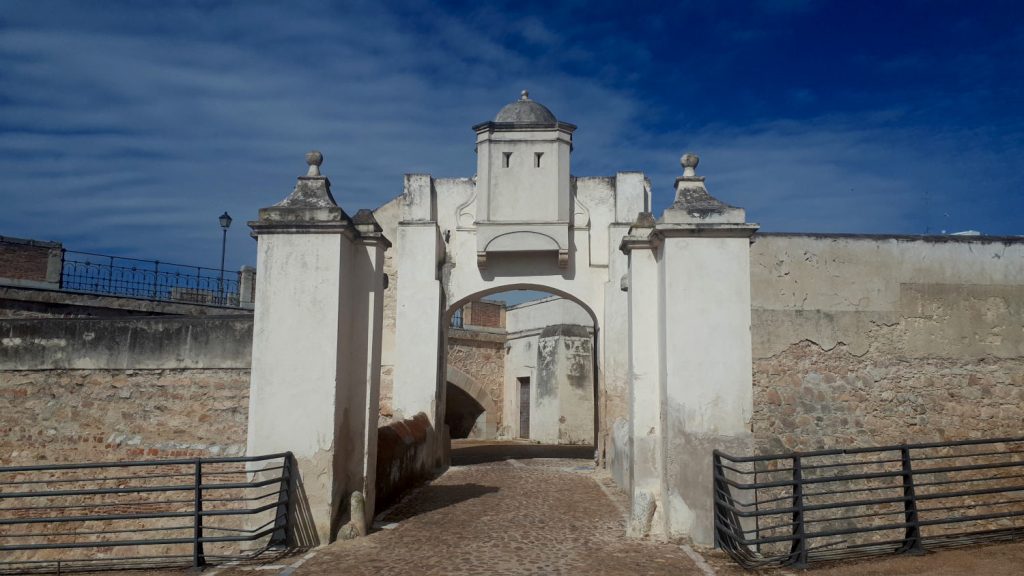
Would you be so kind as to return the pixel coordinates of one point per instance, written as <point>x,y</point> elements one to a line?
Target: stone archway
<point>670,300</point>
<point>487,423</point>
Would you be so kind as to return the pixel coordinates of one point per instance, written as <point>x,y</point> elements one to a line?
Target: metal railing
<point>791,509</point>
<point>456,321</point>
<point>142,514</point>
<point>150,279</point>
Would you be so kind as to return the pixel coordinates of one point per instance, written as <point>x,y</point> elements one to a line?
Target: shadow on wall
<point>409,453</point>
<point>302,531</point>
<point>461,412</point>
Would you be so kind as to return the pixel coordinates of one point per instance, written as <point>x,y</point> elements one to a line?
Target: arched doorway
<point>544,385</point>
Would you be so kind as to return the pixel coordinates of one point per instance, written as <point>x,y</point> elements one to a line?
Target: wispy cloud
<point>132,129</point>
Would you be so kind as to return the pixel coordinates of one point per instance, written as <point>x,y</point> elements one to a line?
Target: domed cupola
<point>523,193</point>
<point>525,111</point>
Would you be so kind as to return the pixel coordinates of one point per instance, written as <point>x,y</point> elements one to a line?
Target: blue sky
<point>127,128</point>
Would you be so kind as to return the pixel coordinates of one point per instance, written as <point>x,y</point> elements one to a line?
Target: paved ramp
<point>510,511</point>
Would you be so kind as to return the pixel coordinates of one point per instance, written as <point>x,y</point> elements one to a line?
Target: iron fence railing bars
<point>790,509</point>
<point>798,550</point>
<point>150,279</point>
<point>42,512</point>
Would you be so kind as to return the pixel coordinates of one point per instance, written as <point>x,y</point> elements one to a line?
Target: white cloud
<point>132,132</point>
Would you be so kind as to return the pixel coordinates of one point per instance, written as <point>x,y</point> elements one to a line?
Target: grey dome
<point>525,111</point>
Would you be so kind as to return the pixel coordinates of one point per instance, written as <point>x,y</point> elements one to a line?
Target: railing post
<point>798,550</point>
<point>63,252</point>
<point>281,519</point>
<point>198,556</point>
<point>912,535</point>
<point>716,467</point>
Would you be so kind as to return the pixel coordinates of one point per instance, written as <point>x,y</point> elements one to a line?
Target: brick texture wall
<point>484,314</point>
<point>24,260</point>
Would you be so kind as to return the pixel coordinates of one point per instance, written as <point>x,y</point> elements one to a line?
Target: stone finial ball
<point>524,95</point>
<point>314,158</point>
<point>689,160</point>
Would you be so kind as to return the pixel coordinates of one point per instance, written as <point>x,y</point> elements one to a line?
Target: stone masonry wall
<point>109,415</point>
<point>809,397</point>
<point>869,341</point>
<point>862,341</point>
<point>481,356</point>
<point>89,389</point>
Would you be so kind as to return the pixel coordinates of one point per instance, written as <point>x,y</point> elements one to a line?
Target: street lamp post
<point>225,223</point>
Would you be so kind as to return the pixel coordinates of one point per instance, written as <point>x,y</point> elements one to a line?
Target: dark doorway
<point>524,407</point>
<point>461,412</point>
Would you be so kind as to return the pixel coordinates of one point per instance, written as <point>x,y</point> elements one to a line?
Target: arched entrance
<point>548,386</point>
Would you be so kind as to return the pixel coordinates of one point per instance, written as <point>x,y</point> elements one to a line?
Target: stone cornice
<point>716,230</point>
<point>265,227</point>
<point>636,242</point>
<point>523,127</point>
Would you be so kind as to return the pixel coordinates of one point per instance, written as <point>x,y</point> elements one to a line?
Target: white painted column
<point>309,386</point>
<point>708,399</point>
<point>419,368</point>
<point>368,328</point>
<point>646,416</point>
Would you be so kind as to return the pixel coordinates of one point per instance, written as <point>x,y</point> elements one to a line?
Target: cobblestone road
<point>510,516</point>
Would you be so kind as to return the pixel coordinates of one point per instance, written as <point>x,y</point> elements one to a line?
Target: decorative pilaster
<point>646,414</point>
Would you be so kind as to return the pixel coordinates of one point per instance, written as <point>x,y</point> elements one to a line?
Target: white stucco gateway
<point>669,298</point>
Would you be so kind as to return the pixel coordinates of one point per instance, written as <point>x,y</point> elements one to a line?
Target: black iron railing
<point>790,509</point>
<point>150,279</point>
<point>142,514</point>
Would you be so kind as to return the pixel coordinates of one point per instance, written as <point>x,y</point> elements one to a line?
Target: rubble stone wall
<point>109,415</point>
<point>481,356</point>
<point>87,389</point>
<point>862,341</point>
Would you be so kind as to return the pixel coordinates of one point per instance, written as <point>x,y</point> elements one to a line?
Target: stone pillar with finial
<point>708,391</point>
<point>316,352</point>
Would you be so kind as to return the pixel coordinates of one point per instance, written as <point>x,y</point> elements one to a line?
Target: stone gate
<point>669,298</point>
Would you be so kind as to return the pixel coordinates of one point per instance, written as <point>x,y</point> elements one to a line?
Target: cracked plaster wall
<point>863,341</point>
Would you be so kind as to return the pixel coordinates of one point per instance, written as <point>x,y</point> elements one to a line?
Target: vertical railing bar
<point>757,508</point>
<point>61,283</point>
<point>198,556</point>
<point>280,535</point>
<point>715,471</point>
<point>912,535</point>
<point>798,550</point>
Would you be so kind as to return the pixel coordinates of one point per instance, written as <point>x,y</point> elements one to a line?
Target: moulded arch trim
<point>525,236</point>
<point>470,386</point>
<point>457,304</point>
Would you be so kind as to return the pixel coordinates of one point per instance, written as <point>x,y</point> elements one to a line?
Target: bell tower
<point>524,200</point>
